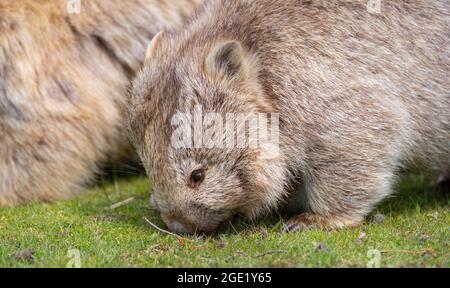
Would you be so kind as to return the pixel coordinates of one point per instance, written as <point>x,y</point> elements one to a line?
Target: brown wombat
<point>63,78</point>
<point>359,94</point>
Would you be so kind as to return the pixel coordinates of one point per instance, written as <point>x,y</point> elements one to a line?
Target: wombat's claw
<point>294,227</point>
<point>300,223</point>
<point>308,221</point>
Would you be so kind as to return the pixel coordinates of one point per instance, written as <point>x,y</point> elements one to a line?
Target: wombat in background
<point>359,95</point>
<point>63,79</point>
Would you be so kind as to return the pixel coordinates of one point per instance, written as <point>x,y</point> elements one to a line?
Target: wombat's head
<point>199,184</point>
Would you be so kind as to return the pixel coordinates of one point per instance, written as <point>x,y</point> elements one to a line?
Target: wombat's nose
<point>180,228</point>
<point>176,226</point>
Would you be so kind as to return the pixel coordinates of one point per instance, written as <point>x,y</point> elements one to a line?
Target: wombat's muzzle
<point>181,226</point>
<point>178,226</point>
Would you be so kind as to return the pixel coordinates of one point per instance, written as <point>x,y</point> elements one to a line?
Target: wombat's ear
<point>153,45</point>
<point>232,60</point>
<point>228,58</point>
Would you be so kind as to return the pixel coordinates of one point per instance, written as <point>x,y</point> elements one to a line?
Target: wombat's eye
<point>197,177</point>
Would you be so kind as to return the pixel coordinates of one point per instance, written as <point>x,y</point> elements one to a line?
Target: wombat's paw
<point>301,222</point>
<point>308,221</point>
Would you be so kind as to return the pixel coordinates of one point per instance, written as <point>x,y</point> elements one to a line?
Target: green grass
<point>415,232</point>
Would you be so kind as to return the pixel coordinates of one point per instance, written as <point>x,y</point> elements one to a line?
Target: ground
<point>91,231</point>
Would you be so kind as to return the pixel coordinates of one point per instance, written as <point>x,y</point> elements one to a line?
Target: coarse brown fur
<point>63,80</point>
<point>359,95</point>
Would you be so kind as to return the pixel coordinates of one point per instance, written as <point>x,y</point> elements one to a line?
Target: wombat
<point>360,93</point>
<point>64,69</point>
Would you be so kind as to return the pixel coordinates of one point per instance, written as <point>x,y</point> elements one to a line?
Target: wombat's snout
<point>177,226</point>
<point>182,226</point>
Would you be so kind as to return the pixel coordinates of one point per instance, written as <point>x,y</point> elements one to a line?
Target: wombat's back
<point>324,62</point>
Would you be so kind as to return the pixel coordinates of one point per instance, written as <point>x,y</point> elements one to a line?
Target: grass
<point>415,233</point>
